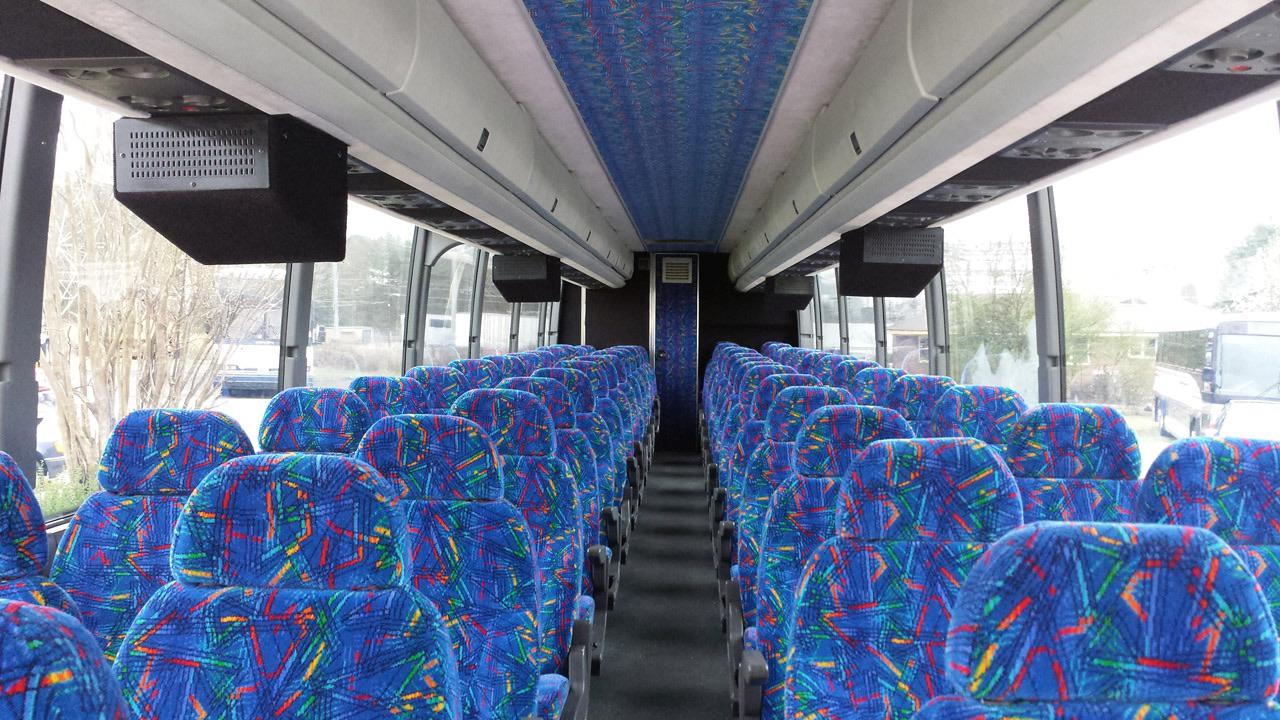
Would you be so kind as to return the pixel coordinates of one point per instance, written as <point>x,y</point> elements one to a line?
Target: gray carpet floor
<point>665,655</point>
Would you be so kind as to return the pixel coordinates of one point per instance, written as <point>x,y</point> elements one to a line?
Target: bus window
<point>860,313</point>
<point>1152,251</point>
<point>830,315</point>
<point>449,306</point>
<point>991,299</point>
<point>358,305</point>
<point>1247,361</point>
<point>495,327</point>
<point>907,334</point>
<point>131,322</point>
<point>530,314</point>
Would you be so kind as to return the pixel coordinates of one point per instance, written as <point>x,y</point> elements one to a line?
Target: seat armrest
<point>598,559</point>
<point>712,480</point>
<point>735,626</point>
<point>611,523</point>
<point>750,676</point>
<point>579,666</point>
<point>726,544</point>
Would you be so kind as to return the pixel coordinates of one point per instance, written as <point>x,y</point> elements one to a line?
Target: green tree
<point>1251,280</point>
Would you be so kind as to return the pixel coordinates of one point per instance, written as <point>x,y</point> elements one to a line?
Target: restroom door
<point>674,343</point>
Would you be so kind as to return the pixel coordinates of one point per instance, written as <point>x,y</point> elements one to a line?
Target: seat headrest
<point>435,457</point>
<point>1112,613</point>
<point>440,386</point>
<point>52,668</point>
<point>811,361</point>
<point>479,373</point>
<point>843,372</point>
<point>292,520</point>
<point>740,368</point>
<point>24,549</point>
<point>749,383</point>
<point>871,386</point>
<point>552,393</point>
<point>953,489</point>
<point>305,419</point>
<point>577,382</point>
<point>516,421</point>
<point>1065,441</point>
<point>832,437</point>
<point>772,385</point>
<point>389,395</point>
<point>1227,485</point>
<point>914,396</point>
<point>597,374</point>
<point>794,404</point>
<point>986,412</point>
<point>168,452</point>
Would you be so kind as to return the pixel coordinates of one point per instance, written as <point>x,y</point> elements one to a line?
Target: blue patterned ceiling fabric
<point>675,95</point>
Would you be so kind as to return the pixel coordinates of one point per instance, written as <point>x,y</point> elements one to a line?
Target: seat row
<point>494,535</point>
<point>840,596</point>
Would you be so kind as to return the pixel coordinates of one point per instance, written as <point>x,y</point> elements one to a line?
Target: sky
<point>1152,222</point>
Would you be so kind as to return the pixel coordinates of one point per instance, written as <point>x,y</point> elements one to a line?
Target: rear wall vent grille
<point>677,270</point>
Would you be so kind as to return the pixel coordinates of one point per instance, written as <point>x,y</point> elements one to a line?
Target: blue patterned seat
<point>1230,486</point>
<point>291,599</point>
<point>811,362</point>
<point>1074,462</point>
<point>472,555</point>
<point>542,488</point>
<point>769,466</point>
<point>1100,621</point>
<point>985,412</point>
<point>844,373</point>
<point>874,602</point>
<point>115,552</point>
<point>52,669</point>
<point>915,396</point>
<point>479,373</point>
<point>572,446</point>
<point>611,472</point>
<point>871,386</point>
<point>388,395</point>
<point>802,515</point>
<point>314,420</point>
<point>24,547</point>
<point>741,404</point>
<point>440,386</point>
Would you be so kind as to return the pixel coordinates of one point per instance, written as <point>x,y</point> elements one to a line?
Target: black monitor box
<point>789,292</point>
<point>889,262</point>
<point>527,278</point>
<point>235,189</point>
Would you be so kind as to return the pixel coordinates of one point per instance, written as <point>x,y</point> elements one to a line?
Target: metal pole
<point>416,301</point>
<point>1046,273</point>
<point>842,316</point>
<point>818,320</point>
<point>477,303</point>
<point>882,333</point>
<point>296,318</point>
<point>29,118</point>
<point>935,300</point>
<point>513,328</point>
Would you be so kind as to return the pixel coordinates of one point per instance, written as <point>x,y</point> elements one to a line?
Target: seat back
<point>985,412</point>
<point>115,552</point>
<point>290,597</point>
<point>874,602</point>
<point>915,396</point>
<point>1228,486</point>
<point>802,515</point>
<point>440,386</point>
<point>769,466</point>
<point>871,386</point>
<point>388,395</point>
<point>314,420</point>
<point>1074,462</point>
<point>51,667</point>
<point>1111,620</point>
<point>543,489</point>
<point>24,547</point>
<point>609,461</point>
<point>842,373</point>
<point>472,554</point>
<point>479,373</point>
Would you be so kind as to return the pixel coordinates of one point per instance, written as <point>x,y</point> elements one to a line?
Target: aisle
<point>665,656</point>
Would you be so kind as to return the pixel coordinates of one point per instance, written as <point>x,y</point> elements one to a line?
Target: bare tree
<point>131,321</point>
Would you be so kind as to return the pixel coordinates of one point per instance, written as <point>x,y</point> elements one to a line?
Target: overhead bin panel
<point>874,107</point>
<point>951,39</point>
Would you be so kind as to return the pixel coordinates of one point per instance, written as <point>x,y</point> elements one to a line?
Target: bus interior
<point>760,359</point>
